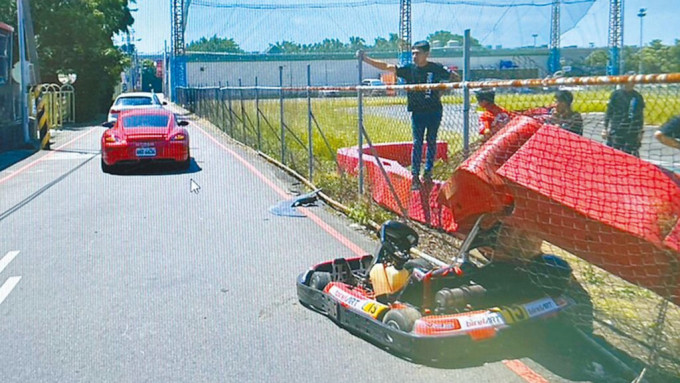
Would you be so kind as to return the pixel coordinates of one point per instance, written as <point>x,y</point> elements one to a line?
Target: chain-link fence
<point>569,167</point>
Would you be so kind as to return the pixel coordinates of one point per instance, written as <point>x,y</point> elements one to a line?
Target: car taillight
<point>178,137</point>
<point>111,139</point>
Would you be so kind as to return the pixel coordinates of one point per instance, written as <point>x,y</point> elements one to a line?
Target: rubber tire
<point>106,168</point>
<point>185,165</point>
<point>319,280</point>
<point>402,319</point>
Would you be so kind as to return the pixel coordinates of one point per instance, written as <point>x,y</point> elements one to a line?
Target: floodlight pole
<point>641,15</point>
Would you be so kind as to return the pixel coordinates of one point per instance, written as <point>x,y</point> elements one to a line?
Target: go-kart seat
<point>341,271</point>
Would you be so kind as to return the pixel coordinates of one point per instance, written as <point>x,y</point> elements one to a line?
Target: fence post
<point>243,113</point>
<point>215,112</point>
<point>360,118</point>
<point>231,115</point>
<point>309,123</point>
<point>466,94</point>
<point>283,129</point>
<point>220,109</point>
<point>257,115</point>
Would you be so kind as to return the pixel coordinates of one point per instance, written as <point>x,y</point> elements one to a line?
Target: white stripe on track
<point>7,259</point>
<point>7,287</point>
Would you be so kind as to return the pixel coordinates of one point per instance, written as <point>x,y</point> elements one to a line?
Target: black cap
<point>421,45</point>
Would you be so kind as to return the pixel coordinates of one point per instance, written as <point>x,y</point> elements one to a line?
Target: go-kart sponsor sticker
<point>540,307</point>
<point>365,306</point>
<point>486,319</point>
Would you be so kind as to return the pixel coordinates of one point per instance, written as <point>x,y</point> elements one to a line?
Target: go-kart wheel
<point>402,319</point>
<point>319,280</point>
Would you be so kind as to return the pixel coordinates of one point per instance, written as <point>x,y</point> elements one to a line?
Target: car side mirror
<point>108,124</point>
<point>165,103</point>
<point>183,123</point>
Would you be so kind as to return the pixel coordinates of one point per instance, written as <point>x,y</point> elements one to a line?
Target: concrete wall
<point>213,69</point>
<point>329,72</point>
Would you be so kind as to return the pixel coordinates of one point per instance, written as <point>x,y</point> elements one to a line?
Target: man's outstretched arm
<point>376,63</point>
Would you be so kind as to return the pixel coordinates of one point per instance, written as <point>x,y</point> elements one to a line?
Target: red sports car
<point>144,135</point>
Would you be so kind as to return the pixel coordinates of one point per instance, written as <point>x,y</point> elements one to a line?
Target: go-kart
<point>416,309</point>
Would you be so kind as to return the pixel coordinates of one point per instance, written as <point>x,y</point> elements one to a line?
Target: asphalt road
<point>134,278</point>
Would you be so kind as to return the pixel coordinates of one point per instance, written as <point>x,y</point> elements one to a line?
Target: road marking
<point>9,257</point>
<point>45,157</point>
<point>524,372</point>
<point>7,287</point>
<point>334,233</point>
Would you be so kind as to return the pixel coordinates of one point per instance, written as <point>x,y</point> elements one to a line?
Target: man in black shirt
<point>669,133</point>
<point>425,106</point>
<point>623,120</point>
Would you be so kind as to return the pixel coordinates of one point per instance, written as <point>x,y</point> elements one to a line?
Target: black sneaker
<point>415,183</point>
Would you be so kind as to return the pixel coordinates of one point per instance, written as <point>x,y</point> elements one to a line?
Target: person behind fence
<point>425,106</point>
<point>563,116</point>
<point>623,121</point>
<point>669,133</point>
<point>494,117</point>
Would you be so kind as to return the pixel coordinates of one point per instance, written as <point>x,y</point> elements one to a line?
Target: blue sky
<point>509,27</point>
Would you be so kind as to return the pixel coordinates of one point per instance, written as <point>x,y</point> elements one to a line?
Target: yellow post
<point>42,118</point>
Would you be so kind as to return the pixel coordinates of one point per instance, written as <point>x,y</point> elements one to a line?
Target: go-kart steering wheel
<point>397,256</point>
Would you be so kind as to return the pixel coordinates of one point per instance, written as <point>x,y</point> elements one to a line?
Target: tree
<point>445,36</point>
<point>356,43</point>
<point>77,36</point>
<point>214,44</point>
<point>150,82</point>
<point>288,47</point>
<point>598,58</point>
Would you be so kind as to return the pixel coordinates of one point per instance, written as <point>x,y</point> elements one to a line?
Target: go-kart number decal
<point>372,308</point>
<point>514,314</point>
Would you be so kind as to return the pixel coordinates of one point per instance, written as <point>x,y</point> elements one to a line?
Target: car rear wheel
<point>184,165</point>
<point>402,319</point>
<point>106,168</point>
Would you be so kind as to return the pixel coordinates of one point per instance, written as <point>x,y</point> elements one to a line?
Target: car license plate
<point>146,152</point>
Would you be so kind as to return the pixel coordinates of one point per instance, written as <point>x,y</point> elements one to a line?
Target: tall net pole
<point>178,63</point>
<point>554,58</point>
<point>404,32</point>
<point>615,36</point>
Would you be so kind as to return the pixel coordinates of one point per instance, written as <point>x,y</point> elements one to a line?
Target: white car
<point>374,82</point>
<point>134,100</point>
